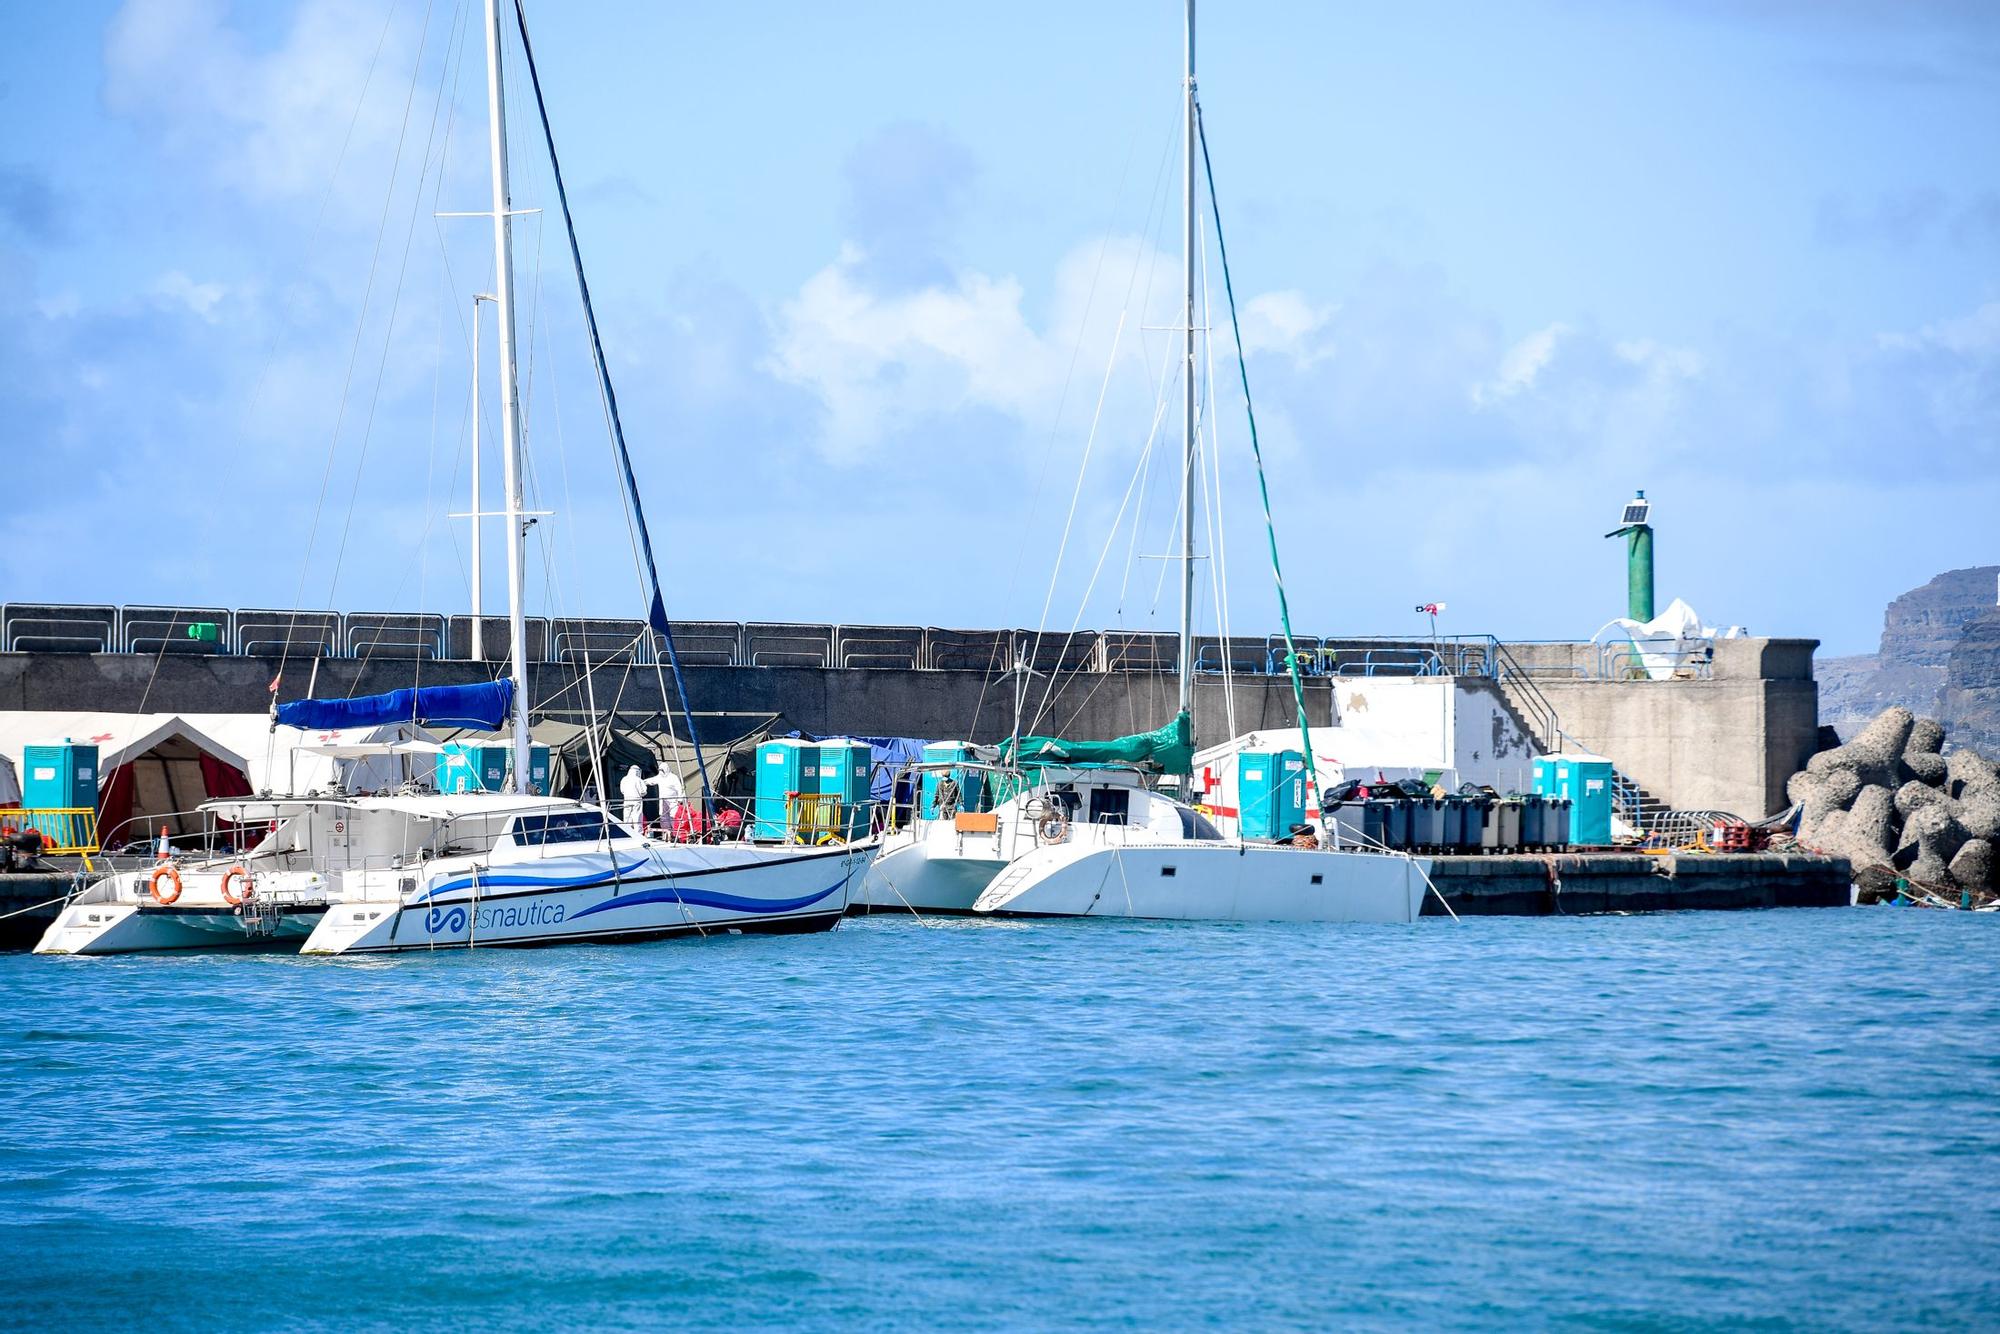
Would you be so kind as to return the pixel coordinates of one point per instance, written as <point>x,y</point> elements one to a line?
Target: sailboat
<point>417,869</point>
<point>1072,829</point>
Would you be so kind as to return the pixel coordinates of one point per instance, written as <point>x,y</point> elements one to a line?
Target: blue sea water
<point>1780,1119</point>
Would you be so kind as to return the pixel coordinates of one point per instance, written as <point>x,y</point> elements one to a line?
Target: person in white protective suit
<point>673,797</point>
<point>633,789</point>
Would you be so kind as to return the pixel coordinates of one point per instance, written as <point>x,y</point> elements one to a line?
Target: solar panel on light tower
<point>1635,511</point>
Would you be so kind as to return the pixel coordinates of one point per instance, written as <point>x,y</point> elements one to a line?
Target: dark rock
<point>1979,812</point>
<point>1875,753</point>
<point>1937,836</point>
<point>1931,659</point>
<point>1967,771</point>
<point>1913,796</point>
<point>1875,884</point>
<point>1924,767</point>
<point>1972,866</point>
<point>1865,832</point>
<point>1971,698</point>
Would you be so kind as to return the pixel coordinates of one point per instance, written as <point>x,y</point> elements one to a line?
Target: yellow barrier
<point>813,817</point>
<point>68,831</point>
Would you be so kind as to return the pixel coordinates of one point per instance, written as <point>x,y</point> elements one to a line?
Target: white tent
<point>152,766</point>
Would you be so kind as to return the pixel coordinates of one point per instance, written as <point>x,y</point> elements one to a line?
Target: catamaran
<point>1073,830</point>
<point>416,869</point>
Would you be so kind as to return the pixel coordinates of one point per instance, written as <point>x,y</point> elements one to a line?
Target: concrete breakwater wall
<point>865,701</point>
<point>1725,734</point>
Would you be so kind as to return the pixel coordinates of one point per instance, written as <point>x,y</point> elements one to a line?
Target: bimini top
<point>421,805</point>
<point>355,750</point>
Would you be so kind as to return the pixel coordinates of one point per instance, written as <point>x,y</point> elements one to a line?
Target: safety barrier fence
<point>303,635</point>
<point>67,831</point>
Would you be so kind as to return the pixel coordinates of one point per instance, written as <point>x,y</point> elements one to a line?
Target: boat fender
<point>1053,827</point>
<point>229,878</point>
<point>167,872</point>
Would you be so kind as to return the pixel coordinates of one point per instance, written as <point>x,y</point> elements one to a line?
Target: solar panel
<point>1635,511</point>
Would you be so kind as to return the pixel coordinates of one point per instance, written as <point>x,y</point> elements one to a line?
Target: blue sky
<point>878,279</point>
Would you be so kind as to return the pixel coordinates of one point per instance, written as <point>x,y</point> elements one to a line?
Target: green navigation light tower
<point>1638,535</point>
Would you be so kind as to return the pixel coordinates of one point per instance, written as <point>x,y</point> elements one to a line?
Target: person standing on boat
<point>633,789</point>
<point>673,797</point>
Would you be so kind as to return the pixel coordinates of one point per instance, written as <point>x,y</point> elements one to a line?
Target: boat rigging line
<point>656,613</point>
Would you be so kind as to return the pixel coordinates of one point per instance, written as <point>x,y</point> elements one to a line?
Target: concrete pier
<point>1580,883</point>
<point>25,907</point>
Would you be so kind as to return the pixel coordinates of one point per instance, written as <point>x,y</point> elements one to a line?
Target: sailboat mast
<point>1188,473</point>
<point>510,393</point>
<point>478,498</point>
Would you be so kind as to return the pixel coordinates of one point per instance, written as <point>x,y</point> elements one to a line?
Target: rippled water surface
<point>1781,1118</point>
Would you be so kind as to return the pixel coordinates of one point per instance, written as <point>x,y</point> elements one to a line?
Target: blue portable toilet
<point>463,766</point>
<point>784,766</point>
<point>1270,792</point>
<point>971,782</point>
<point>59,777</point>
<point>845,770</point>
<point>538,769</point>
<point>1584,781</point>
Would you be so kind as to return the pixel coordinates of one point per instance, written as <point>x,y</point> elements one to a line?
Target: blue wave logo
<point>450,920</point>
<point>504,880</point>
<point>707,898</point>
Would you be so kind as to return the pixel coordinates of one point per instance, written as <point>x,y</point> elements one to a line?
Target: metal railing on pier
<point>267,632</point>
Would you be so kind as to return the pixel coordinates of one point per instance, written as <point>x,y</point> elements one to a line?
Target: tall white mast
<point>510,392</point>
<point>1188,472</point>
<point>478,500</point>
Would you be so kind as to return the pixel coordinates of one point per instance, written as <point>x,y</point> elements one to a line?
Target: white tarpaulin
<point>1674,643</point>
<point>274,760</point>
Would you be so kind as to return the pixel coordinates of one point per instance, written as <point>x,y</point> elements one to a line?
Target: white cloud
<point>1518,369</point>
<point>880,362</point>
<point>1288,324</point>
<point>270,123</point>
<point>177,289</point>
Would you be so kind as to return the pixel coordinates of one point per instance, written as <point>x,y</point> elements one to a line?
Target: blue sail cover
<point>486,706</point>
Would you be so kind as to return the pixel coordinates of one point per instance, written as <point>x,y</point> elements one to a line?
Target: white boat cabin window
<point>1110,805</point>
<point>564,827</point>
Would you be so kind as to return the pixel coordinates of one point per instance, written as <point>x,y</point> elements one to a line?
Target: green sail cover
<point>1168,750</point>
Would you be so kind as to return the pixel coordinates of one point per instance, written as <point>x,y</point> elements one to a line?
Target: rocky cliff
<point>1940,655</point>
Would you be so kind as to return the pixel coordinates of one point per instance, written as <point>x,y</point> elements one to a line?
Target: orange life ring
<point>230,876</point>
<point>166,871</point>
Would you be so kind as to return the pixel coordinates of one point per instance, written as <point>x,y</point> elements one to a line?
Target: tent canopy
<point>153,768</point>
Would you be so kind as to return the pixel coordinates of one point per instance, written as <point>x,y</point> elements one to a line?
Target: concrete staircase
<point>1536,716</point>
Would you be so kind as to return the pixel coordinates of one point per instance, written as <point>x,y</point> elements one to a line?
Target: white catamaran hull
<point>119,914</point>
<point>132,928</point>
<point>1210,882</point>
<point>645,892</point>
<point>938,873</point>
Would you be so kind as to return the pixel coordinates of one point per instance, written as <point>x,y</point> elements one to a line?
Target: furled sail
<point>487,705</point>
<point>1168,750</point>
